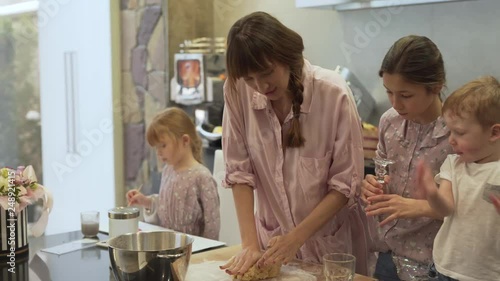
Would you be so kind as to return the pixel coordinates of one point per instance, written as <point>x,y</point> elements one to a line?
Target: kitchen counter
<point>225,253</point>
<point>93,263</point>
<point>80,265</point>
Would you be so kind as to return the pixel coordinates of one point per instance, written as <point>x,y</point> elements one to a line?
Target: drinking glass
<point>381,170</point>
<point>90,223</point>
<point>339,267</point>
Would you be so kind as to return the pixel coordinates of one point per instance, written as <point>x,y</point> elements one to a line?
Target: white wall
<point>319,28</point>
<point>83,181</point>
<point>467,34</point>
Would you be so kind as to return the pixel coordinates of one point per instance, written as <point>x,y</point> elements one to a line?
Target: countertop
<point>225,253</point>
<point>93,263</point>
<point>86,264</point>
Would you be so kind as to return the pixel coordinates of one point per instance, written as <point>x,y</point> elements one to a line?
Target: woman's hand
<point>280,249</point>
<point>135,197</point>
<point>393,206</point>
<point>370,187</point>
<point>241,262</point>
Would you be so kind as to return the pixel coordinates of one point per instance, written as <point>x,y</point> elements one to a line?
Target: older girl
<point>413,129</point>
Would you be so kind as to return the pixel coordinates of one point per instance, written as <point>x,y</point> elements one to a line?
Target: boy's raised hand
<point>425,180</point>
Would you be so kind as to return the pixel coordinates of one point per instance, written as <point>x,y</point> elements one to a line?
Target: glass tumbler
<point>381,170</point>
<point>339,267</point>
<point>90,223</point>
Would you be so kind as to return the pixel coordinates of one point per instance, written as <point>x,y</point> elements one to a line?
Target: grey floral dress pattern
<point>188,202</point>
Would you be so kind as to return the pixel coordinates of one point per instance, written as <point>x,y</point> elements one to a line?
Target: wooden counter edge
<point>224,253</point>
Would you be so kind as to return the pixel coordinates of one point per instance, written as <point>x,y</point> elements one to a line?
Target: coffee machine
<point>199,71</point>
<point>198,78</point>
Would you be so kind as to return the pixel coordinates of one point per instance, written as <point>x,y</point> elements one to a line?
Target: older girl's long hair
<point>259,39</point>
<point>175,123</point>
<point>417,59</point>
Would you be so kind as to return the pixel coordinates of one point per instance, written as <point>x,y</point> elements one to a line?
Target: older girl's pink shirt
<point>288,186</point>
<point>407,142</point>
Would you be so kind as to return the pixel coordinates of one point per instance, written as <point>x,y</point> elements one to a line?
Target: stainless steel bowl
<point>158,255</point>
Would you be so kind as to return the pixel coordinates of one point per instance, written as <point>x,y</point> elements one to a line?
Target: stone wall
<point>144,91</point>
<point>151,31</point>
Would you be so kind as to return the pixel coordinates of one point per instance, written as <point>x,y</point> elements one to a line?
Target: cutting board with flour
<point>209,271</point>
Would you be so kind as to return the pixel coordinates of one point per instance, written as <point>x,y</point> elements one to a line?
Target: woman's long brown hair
<point>417,59</point>
<point>257,40</point>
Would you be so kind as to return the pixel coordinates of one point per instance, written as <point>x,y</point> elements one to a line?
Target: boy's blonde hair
<point>174,123</point>
<point>479,98</point>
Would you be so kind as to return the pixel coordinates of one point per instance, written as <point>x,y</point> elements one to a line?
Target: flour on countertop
<point>209,271</point>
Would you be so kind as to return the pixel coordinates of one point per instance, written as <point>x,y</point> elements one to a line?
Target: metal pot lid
<point>122,213</point>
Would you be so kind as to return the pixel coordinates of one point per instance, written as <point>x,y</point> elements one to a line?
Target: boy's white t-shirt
<point>467,247</point>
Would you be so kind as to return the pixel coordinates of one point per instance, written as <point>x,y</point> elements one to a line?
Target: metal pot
<point>158,255</point>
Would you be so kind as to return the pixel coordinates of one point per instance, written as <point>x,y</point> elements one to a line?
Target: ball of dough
<point>255,273</point>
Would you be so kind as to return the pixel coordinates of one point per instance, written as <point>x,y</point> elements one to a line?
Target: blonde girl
<point>188,200</point>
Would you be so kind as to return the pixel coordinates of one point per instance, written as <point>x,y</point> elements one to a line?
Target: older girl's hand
<point>393,206</point>
<point>241,262</point>
<point>280,249</point>
<point>370,187</point>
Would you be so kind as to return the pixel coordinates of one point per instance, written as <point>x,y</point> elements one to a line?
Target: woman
<point>413,129</point>
<point>292,137</point>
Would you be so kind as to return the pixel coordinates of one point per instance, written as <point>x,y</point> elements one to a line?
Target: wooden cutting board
<point>223,254</point>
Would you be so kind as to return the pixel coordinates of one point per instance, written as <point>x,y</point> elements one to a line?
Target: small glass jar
<point>123,220</point>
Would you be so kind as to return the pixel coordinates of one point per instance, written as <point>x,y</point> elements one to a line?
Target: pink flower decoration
<point>28,190</point>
